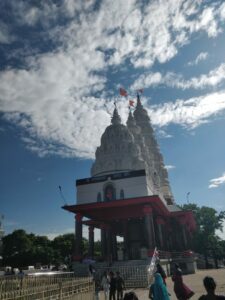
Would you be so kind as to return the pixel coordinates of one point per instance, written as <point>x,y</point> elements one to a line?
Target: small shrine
<point>129,195</point>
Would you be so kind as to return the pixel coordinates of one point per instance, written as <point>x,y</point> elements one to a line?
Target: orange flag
<point>131,102</point>
<point>123,92</point>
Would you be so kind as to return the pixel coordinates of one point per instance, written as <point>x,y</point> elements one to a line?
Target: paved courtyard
<point>193,281</point>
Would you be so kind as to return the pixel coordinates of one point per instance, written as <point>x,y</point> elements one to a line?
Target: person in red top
<point>181,290</point>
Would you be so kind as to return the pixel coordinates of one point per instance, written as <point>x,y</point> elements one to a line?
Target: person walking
<point>97,289</point>
<point>158,290</point>
<point>120,285</point>
<point>160,270</point>
<point>112,286</point>
<point>105,285</point>
<point>181,290</point>
<point>91,271</point>
<point>210,287</point>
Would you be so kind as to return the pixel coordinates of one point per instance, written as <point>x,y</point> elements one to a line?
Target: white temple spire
<point>116,117</point>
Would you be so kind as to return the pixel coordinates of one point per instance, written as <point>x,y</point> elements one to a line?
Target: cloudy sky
<point>62,63</point>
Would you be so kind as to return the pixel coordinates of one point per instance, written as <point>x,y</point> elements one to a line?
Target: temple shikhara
<point>129,195</point>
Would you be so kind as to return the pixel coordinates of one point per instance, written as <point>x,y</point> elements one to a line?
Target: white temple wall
<point>132,187</point>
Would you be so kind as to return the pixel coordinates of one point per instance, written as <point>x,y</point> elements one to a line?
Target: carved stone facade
<point>133,147</point>
<point>118,151</point>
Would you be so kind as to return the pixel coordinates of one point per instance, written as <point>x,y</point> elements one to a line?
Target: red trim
<point>92,223</point>
<point>78,217</point>
<point>119,209</point>
<point>147,210</point>
<point>160,221</point>
<point>106,212</point>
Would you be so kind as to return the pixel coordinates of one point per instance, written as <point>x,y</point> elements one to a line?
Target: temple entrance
<point>135,250</point>
<point>134,237</point>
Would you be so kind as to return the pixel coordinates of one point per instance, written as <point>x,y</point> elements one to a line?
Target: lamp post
<point>187,197</point>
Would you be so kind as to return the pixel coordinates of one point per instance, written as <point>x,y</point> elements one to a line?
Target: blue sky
<point>62,63</point>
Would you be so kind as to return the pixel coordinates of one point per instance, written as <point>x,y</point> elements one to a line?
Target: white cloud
<point>216,182</point>
<point>163,134</point>
<point>202,56</point>
<point>207,22</point>
<point>52,96</point>
<point>147,80</point>
<point>54,234</point>
<point>188,113</point>
<point>170,167</point>
<point>5,36</point>
<point>85,233</point>
<point>170,79</point>
<point>144,33</point>
<point>79,130</point>
<point>222,11</point>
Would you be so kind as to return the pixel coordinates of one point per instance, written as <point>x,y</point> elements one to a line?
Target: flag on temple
<point>140,91</point>
<point>123,92</point>
<point>131,103</point>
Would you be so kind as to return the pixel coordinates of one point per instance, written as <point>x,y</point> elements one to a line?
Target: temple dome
<point>118,151</point>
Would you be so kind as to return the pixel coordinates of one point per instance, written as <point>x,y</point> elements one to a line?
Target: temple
<point>129,195</point>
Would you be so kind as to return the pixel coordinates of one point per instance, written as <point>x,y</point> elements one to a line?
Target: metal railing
<point>51,287</point>
<point>175,255</point>
<point>134,276</point>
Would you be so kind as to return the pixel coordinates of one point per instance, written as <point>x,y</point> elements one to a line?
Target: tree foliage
<point>208,221</point>
<point>21,249</point>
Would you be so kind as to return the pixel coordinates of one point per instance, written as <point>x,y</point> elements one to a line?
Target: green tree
<point>208,220</point>
<point>21,250</point>
<point>16,248</point>
<point>97,248</point>
<point>63,246</point>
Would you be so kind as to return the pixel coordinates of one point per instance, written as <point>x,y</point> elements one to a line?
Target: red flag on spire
<point>131,103</point>
<point>123,92</point>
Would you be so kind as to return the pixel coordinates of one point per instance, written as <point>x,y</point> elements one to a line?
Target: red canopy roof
<point>119,209</point>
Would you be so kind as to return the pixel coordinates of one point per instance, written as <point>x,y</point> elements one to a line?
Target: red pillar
<point>91,241</point>
<point>183,225</point>
<point>103,242</point>
<point>78,238</point>
<point>125,240</point>
<point>160,222</point>
<point>147,210</point>
<point>109,244</point>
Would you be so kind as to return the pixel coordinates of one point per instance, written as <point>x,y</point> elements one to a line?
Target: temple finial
<point>116,117</point>
<point>130,119</point>
<point>139,104</point>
